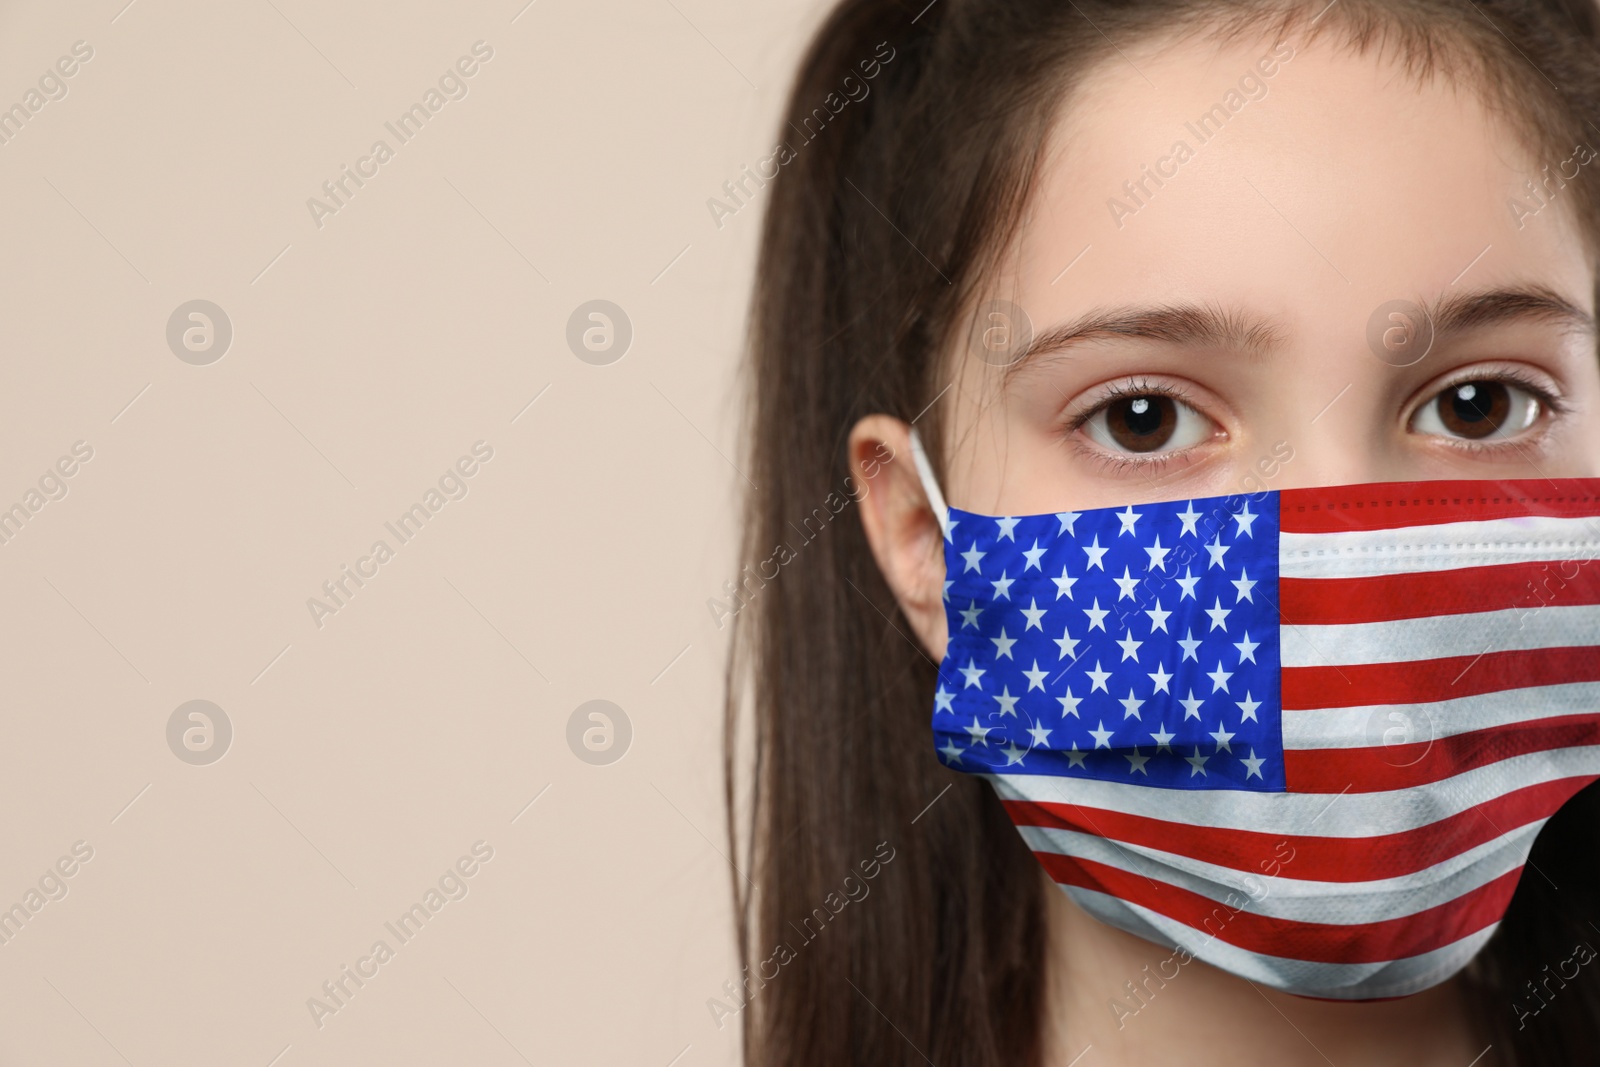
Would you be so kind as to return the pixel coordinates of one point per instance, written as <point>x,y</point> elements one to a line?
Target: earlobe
<point>901,526</point>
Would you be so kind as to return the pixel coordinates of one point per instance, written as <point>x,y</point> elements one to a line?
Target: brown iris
<point>1142,423</point>
<point>1474,409</point>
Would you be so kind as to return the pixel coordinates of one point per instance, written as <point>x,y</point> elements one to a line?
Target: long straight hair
<point>892,914</point>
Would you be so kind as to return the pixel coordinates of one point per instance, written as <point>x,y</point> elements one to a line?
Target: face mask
<point>1306,736</point>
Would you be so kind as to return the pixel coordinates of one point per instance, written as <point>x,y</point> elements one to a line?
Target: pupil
<point>1475,409</point>
<point>1470,407</point>
<point>1143,423</point>
<point>1141,418</point>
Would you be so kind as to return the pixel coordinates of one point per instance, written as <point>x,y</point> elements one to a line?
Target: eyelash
<point>1114,463</point>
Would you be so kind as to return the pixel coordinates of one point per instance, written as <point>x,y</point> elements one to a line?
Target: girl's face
<point>1228,255</point>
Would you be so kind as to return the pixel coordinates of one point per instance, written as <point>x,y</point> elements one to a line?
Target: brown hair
<point>896,196</point>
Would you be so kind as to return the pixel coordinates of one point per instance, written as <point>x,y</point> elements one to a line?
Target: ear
<point>901,526</point>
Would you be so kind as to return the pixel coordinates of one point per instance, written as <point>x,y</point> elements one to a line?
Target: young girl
<point>1171,614</point>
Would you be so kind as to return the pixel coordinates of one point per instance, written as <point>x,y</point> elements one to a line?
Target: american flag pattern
<point>1307,736</point>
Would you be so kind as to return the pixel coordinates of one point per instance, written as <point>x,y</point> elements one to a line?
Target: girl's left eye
<point>1484,409</point>
<point>1143,423</point>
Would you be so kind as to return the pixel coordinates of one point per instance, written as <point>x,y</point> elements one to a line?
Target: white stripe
<point>1410,549</point>
<point>1301,900</point>
<point>1314,814</point>
<point>1336,981</point>
<point>1397,724</point>
<point>1439,636</point>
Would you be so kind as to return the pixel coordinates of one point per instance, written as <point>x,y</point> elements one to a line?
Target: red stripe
<point>1378,942</point>
<point>1461,591</point>
<point>1428,680</point>
<point>1391,505</point>
<point>1312,859</point>
<point>1381,768</point>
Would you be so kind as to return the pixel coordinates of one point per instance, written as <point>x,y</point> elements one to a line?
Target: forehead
<point>1313,185</point>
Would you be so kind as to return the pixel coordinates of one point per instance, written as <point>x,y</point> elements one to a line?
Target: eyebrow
<point>1218,327</point>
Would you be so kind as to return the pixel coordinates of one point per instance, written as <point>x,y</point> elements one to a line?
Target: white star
<point>1007,702</point>
<point>1197,762</point>
<point>1219,678</point>
<point>1068,644</point>
<point>1217,550</point>
<point>972,556</point>
<point>1163,739</point>
<point>969,617</point>
<point>1253,764</point>
<point>1244,519</point>
<point>1244,585</point>
<point>1158,617</point>
<point>1219,615</point>
<point>1127,584</point>
<point>1247,648</point>
<point>1247,707</point>
<point>1158,555</point>
<point>1136,762</point>
<point>950,534</point>
<point>1013,754</point>
<point>1033,555</point>
<point>1161,678</point>
<point>1069,704</point>
<point>1099,676</point>
<point>1002,586</point>
<point>1191,706</point>
<point>1095,553</point>
<point>947,585</point>
<point>1064,584</point>
<point>1035,677</point>
<point>1130,647</point>
<point>1007,528</point>
<point>942,699</point>
<point>1067,519</point>
<point>1190,644</point>
<point>1097,615</point>
<point>951,752</point>
<point>1033,613</point>
<point>1188,582</point>
<point>972,673</point>
<point>1222,737</point>
<point>1128,518</point>
<point>980,734</point>
<point>1131,706</point>
<point>1075,756</point>
<point>1189,517</point>
<point>1102,736</point>
<point>1040,734</point>
<point>1002,645</point>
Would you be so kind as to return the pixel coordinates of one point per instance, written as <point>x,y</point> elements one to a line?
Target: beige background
<point>368,354</point>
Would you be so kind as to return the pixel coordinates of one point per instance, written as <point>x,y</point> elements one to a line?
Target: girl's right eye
<point>1142,423</point>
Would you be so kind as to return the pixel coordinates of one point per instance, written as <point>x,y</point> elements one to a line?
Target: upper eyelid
<point>1549,397</point>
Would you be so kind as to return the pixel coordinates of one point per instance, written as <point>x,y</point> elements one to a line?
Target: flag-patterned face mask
<point>1306,736</point>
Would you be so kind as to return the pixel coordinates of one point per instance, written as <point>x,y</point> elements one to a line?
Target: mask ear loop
<point>930,484</point>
